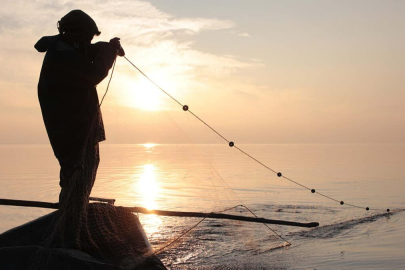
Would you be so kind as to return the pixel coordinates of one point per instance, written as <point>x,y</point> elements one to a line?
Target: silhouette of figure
<point>71,70</point>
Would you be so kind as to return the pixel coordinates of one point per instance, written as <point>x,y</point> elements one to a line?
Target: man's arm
<point>102,55</point>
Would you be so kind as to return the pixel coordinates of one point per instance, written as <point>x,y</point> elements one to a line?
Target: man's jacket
<point>67,94</point>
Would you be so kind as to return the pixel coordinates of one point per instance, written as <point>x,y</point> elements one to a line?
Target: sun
<point>144,95</point>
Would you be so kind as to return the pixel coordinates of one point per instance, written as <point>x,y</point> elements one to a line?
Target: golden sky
<point>257,71</point>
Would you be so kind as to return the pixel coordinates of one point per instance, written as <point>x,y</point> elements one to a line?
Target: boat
<point>117,232</point>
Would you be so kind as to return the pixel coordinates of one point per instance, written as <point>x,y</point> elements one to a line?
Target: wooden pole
<point>109,201</point>
<point>221,216</point>
<point>171,213</point>
<point>29,203</point>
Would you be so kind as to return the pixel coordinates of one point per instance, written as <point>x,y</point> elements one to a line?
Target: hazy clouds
<point>273,72</point>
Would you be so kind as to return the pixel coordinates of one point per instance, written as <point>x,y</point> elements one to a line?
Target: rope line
<point>153,81</point>
<point>208,215</point>
<point>109,81</point>
<point>330,198</point>
<point>295,182</point>
<point>288,243</point>
<point>208,126</point>
<point>231,144</point>
<point>241,205</point>
<point>177,239</point>
<point>267,167</point>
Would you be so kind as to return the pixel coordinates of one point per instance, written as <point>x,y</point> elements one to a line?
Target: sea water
<point>208,178</point>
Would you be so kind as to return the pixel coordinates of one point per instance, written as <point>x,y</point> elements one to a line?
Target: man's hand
<point>115,42</point>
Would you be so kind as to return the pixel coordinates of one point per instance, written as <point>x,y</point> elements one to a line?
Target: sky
<point>257,71</point>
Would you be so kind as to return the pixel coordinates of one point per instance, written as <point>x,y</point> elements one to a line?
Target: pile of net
<point>114,240</point>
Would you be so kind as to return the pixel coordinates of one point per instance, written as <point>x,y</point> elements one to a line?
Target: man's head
<point>77,26</point>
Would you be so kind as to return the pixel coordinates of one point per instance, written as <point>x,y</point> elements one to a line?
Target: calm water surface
<point>215,177</point>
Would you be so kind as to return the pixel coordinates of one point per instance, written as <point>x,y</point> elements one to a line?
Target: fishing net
<point>193,160</point>
<point>285,197</point>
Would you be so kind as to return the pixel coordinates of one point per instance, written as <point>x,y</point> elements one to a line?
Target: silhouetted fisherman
<point>71,70</point>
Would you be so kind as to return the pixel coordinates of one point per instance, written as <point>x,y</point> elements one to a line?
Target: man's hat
<point>78,21</point>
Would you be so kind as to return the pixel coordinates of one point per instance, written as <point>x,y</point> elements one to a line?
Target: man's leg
<point>65,175</point>
<point>91,161</point>
<point>76,180</point>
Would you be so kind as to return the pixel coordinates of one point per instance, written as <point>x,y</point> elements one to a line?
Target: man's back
<point>67,92</point>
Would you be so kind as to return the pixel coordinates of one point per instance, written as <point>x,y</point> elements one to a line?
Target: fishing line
<point>109,81</point>
<point>180,236</point>
<point>241,205</point>
<point>232,144</point>
<point>288,243</point>
<point>207,216</point>
<point>154,82</point>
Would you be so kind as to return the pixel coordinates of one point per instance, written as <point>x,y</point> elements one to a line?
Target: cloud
<point>161,44</point>
<point>244,35</point>
<point>147,32</point>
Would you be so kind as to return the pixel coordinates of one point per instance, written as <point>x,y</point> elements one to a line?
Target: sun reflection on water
<point>147,186</point>
<point>148,145</point>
